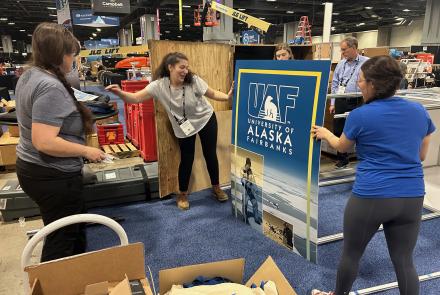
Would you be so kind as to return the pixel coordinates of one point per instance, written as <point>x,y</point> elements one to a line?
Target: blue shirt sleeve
<point>335,80</point>
<point>353,124</point>
<point>431,126</point>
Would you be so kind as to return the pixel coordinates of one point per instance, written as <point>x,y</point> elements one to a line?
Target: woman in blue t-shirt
<point>392,137</point>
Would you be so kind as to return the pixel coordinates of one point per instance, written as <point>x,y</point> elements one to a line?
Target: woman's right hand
<point>114,88</point>
<point>93,154</point>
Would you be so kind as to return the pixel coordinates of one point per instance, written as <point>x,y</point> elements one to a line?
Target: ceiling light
<point>167,32</point>
<point>374,15</point>
<point>53,15</point>
<point>263,18</point>
<point>179,36</point>
<point>335,13</point>
<point>399,18</point>
<point>368,7</point>
<point>406,10</point>
<point>240,23</point>
<point>14,40</point>
<point>335,21</point>
<point>98,29</point>
<point>169,13</point>
<point>90,38</point>
<point>360,24</point>
<point>52,8</point>
<point>29,35</point>
<point>242,9</point>
<point>289,11</point>
<point>186,6</point>
<point>187,26</point>
<point>271,0</point>
<point>94,34</point>
<point>3,19</point>
<point>11,24</point>
<point>333,28</point>
<point>22,30</point>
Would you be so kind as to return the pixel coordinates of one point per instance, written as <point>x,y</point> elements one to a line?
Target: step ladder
<point>304,32</point>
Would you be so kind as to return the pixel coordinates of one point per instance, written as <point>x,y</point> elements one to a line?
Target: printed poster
<point>275,160</point>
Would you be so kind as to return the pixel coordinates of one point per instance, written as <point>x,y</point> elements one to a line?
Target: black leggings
<point>58,194</point>
<point>401,219</point>
<point>208,139</point>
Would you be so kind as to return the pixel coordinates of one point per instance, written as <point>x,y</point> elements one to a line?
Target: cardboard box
<point>8,144</point>
<point>231,269</point>
<point>14,131</point>
<point>91,273</point>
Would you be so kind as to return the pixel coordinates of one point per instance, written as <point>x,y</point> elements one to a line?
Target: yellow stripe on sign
<point>311,140</point>
<point>246,18</point>
<point>115,50</point>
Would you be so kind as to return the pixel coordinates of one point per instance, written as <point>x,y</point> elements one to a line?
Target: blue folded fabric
<point>204,281</point>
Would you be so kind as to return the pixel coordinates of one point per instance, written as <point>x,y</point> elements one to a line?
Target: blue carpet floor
<point>208,232</point>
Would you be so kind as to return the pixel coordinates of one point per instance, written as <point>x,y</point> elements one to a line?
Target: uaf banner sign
<point>275,161</point>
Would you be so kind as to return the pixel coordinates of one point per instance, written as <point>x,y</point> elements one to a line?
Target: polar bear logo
<point>270,109</point>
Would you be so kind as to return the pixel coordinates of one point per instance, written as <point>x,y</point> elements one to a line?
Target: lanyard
<point>183,105</point>
<point>351,75</point>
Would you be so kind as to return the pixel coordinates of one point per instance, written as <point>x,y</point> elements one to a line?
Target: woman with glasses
<point>392,137</point>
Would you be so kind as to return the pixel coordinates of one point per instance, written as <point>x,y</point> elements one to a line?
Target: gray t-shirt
<point>198,110</point>
<point>42,98</point>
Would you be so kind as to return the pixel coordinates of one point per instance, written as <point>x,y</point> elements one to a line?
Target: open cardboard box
<point>101,272</point>
<point>109,271</point>
<point>231,269</point>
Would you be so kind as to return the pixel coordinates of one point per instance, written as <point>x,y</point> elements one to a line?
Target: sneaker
<point>182,201</point>
<point>341,164</point>
<point>220,195</point>
<point>317,292</point>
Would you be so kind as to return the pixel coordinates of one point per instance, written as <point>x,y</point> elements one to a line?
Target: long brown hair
<point>50,42</point>
<point>172,59</point>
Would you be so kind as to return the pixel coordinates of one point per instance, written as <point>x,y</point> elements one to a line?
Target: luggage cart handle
<point>69,220</point>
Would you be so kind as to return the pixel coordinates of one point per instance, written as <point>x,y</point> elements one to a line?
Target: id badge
<point>341,89</point>
<point>186,127</point>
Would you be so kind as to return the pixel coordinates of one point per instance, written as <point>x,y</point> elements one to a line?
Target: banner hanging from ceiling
<point>110,7</point>
<point>85,17</point>
<point>63,13</point>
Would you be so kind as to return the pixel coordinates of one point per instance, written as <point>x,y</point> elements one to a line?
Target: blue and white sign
<point>250,37</point>
<point>85,17</point>
<point>275,160</point>
<point>63,13</point>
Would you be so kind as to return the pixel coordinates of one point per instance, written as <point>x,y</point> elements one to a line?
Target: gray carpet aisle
<point>209,232</point>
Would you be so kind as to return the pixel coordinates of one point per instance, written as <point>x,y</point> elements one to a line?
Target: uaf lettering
<point>271,102</point>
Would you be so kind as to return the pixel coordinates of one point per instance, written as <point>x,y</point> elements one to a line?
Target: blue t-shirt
<point>388,135</point>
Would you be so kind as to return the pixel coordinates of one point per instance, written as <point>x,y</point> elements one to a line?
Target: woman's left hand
<point>319,132</point>
<point>231,91</point>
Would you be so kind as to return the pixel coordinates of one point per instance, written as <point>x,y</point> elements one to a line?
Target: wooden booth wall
<point>213,63</point>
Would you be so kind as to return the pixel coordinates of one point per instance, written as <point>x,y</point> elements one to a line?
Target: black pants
<point>208,139</point>
<point>58,194</point>
<point>401,219</point>
<point>343,105</point>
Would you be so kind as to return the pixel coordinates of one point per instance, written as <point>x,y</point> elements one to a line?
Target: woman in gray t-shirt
<point>52,138</point>
<point>182,95</point>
